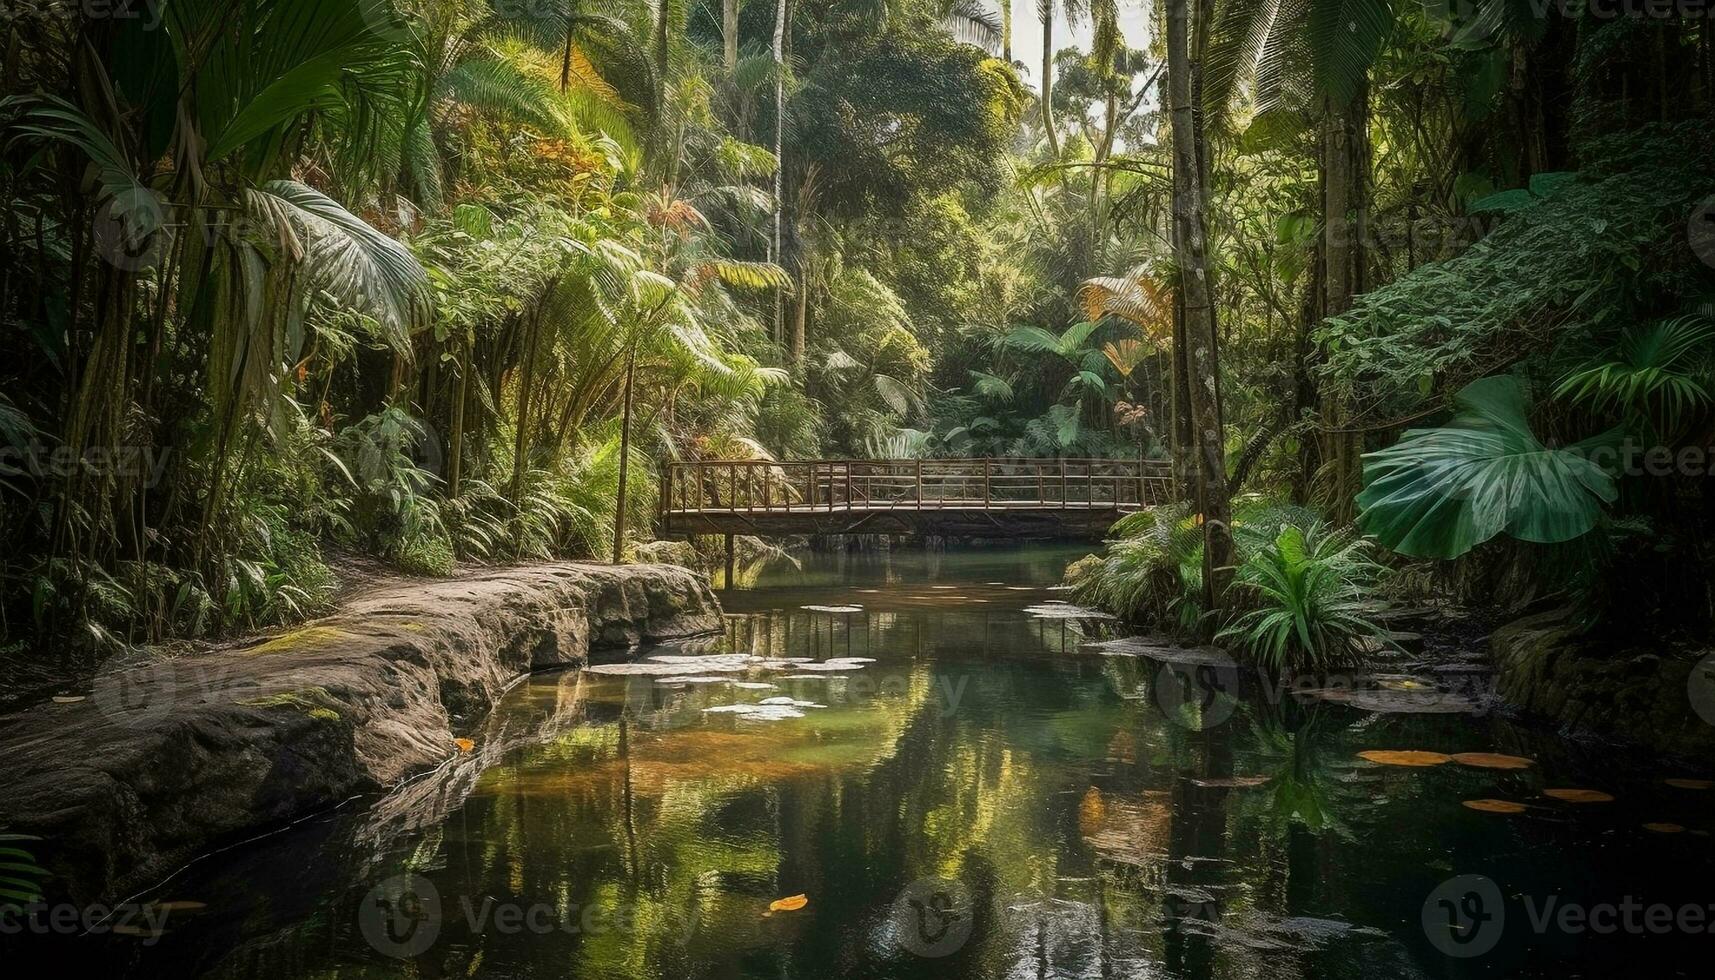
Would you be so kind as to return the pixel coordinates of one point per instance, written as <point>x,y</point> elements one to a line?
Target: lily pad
<point>1492,760</point>
<point>1495,806</point>
<point>1404,757</point>
<point>1579,795</point>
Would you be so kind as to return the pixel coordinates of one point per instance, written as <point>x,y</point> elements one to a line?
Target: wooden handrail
<point>733,486</point>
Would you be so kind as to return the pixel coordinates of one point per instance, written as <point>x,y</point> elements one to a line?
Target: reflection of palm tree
<point>1303,786</point>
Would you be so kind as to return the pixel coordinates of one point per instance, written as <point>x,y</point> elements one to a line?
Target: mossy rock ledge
<point>170,759</point>
<point>1634,695</point>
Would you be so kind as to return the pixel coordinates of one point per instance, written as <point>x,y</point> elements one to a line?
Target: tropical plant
<point>1656,377</point>
<point>1440,492</point>
<point>1151,571</point>
<point>1307,591</point>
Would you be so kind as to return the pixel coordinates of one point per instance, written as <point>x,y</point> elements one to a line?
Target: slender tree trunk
<point>662,37</point>
<point>800,315</point>
<point>1200,328</point>
<point>1048,78</point>
<point>1006,30</point>
<point>729,32</point>
<point>455,451</point>
<point>1345,163</point>
<point>774,254</point>
<point>624,454</point>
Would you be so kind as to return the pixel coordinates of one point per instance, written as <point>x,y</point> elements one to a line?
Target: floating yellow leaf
<point>1689,783</point>
<point>1664,828</point>
<point>464,744</point>
<point>1491,760</point>
<point>1495,806</point>
<point>67,698</point>
<point>791,903</point>
<point>1391,757</point>
<point>1579,795</point>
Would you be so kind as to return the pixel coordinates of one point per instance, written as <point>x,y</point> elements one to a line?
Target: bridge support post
<point>727,584</point>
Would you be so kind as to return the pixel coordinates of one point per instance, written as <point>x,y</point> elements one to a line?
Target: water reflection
<point>986,799</point>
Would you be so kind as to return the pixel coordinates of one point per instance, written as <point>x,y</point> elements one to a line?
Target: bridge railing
<point>769,486</point>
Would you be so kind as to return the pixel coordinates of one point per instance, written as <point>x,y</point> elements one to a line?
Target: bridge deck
<point>978,497</point>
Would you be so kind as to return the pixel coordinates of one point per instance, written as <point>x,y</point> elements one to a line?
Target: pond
<point>978,793</point>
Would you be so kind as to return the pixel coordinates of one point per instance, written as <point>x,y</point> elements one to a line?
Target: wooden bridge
<point>959,497</point>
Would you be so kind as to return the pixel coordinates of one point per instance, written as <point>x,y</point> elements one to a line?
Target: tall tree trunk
<point>729,32</point>
<point>624,454</point>
<point>779,156</point>
<point>800,314</point>
<point>1006,30</point>
<point>455,452</point>
<point>1191,252</point>
<point>662,14</point>
<point>1345,207</point>
<point>1047,9</point>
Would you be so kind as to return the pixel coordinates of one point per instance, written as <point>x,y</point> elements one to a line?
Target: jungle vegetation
<point>441,283</point>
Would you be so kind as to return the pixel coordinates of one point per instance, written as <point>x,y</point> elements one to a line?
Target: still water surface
<point>989,798</point>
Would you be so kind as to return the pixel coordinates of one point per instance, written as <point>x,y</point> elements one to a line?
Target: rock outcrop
<point>163,761</point>
<point>1547,669</point>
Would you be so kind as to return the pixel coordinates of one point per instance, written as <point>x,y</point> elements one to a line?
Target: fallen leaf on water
<point>67,698</point>
<point>464,744</point>
<point>1495,806</point>
<point>1579,795</point>
<point>791,903</point>
<point>1408,757</point>
<point>1664,828</point>
<point>1492,760</point>
<point>126,929</point>
<point>1689,783</point>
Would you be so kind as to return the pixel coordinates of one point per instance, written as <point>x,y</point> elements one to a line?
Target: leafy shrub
<point>1152,571</point>
<point>1306,591</point>
<point>394,512</point>
<point>1292,574</point>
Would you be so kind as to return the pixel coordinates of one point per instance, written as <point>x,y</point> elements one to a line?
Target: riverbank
<point>1649,696</point>
<point>160,762</point>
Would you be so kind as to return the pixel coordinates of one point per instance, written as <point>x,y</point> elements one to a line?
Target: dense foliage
<point>442,282</point>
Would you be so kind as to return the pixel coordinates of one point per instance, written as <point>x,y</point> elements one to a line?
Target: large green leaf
<point>346,257</point>
<point>1440,492</point>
